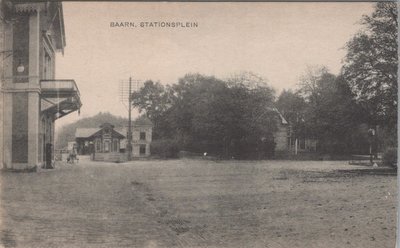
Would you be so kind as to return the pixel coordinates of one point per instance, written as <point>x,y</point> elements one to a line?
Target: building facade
<point>286,144</point>
<point>31,99</point>
<point>106,140</point>
<point>142,132</point>
<point>281,135</point>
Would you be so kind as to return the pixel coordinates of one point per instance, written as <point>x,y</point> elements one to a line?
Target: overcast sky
<point>274,40</point>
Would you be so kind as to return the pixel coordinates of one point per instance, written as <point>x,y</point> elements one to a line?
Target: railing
<point>59,85</point>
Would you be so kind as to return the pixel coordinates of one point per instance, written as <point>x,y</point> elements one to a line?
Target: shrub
<point>390,157</point>
<point>165,148</point>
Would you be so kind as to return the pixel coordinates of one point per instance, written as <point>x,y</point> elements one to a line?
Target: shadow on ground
<point>370,171</point>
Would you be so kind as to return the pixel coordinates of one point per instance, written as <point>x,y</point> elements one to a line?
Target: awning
<point>59,97</point>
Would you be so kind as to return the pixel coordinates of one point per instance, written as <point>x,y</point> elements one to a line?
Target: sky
<point>274,40</point>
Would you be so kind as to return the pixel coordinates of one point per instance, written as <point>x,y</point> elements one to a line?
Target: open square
<point>200,203</point>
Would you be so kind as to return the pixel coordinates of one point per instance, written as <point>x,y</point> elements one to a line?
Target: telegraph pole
<point>129,145</point>
<point>126,89</point>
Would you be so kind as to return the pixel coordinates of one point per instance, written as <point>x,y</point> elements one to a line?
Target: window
<point>47,67</point>
<point>115,149</point>
<point>98,146</point>
<point>142,135</point>
<point>142,150</point>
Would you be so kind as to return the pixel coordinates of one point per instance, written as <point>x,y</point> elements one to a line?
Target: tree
<point>313,86</point>
<point>337,116</point>
<point>370,65</point>
<point>331,114</point>
<point>310,83</point>
<point>248,80</point>
<point>207,114</point>
<point>153,99</point>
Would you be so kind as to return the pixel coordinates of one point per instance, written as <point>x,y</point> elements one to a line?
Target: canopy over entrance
<point>59,97</point>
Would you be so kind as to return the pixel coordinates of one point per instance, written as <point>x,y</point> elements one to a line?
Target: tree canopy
<point>206,114</point>
<point>371,64</point>
<point>324,108</point>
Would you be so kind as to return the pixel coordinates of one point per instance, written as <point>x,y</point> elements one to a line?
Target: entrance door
<point>106,146</point>
<point>142,150</point>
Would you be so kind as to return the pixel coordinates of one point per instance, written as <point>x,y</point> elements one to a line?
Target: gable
<point>85,132</point>
<point>113,133</point>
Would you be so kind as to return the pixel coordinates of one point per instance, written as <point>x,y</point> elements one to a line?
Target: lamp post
<point>129,145</point>
<point>371,134</point>
<point>91,149</point>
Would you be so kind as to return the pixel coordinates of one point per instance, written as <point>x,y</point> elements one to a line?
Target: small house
<point>107,142</point>
<point>98,140</point>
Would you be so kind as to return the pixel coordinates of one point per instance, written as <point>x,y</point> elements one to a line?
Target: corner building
<point>31,99</point>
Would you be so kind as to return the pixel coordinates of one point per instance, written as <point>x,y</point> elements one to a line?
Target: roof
<point>106,124</point>
<point>86,132</point>
<point>283,120</point>
<point>142,121</point>
<point>121,130</point>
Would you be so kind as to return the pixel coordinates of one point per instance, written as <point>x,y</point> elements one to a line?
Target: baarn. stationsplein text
<point>157,24</point>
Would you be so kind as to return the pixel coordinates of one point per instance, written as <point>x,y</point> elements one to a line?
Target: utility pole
<point>126,89</point>
<point>129,145</point>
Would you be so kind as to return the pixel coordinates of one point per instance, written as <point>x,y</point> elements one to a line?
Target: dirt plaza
<point>200,203</point>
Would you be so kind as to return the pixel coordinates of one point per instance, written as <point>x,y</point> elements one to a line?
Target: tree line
<point>234,118</point>
<point>206,114</point>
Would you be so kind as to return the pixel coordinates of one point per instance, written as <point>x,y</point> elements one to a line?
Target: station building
<point>109,143</point>
<point>31,99</point>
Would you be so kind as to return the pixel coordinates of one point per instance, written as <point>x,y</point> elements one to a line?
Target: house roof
<point>85,132</point>
<point>283,120</point>
<point>121,130</point>
<point>106,124</point>
<point>120,135</point>
<point>142,121</point>
<point>88,132</point>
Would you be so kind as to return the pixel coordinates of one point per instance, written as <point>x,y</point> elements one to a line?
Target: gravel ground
<point>200,203</point>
